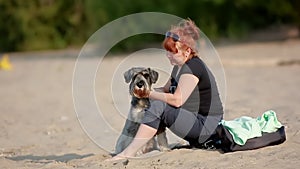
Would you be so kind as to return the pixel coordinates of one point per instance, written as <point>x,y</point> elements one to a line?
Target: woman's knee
<point>161,111</point>
<point>157,103</point>
<point>157,107</point>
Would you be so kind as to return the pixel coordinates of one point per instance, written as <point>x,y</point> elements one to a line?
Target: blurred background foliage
<point>56,24</point>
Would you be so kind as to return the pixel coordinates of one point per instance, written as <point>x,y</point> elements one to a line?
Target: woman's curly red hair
<point>188,34</point>
<point>170,45</point>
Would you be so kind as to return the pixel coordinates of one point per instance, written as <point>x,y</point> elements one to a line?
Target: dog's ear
<point>128,75</point>
<point>153,75</point>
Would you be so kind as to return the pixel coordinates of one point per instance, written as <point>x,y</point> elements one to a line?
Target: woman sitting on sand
<point>189,103</point>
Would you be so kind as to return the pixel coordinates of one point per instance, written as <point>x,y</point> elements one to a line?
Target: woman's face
<point>176,58</point>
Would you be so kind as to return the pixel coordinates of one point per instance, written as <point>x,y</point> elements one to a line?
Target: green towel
<point>244,128</point>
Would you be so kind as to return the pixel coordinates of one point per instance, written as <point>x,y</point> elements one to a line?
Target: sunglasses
<point>174,36</point>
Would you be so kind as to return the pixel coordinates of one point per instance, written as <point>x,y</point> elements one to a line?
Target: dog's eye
<point>146,75</point>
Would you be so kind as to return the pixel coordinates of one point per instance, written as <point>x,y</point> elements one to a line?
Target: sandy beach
<point>40,129</point>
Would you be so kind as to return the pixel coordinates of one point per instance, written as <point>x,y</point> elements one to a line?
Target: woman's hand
<point>186,85</point>
<point>118,157</point>
<point>141,94</point>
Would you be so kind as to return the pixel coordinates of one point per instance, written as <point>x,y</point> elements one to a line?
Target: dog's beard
<point>140,92</point>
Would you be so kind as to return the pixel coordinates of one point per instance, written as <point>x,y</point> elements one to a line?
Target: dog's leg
<point>122,143</point>
<point>128,133</point>
<point>163,142</point>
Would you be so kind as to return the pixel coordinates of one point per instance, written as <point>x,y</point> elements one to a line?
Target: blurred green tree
<point>54,24</point>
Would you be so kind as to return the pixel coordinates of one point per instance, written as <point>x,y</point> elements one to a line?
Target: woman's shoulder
<point>195,62</point>
<point>194,66</point>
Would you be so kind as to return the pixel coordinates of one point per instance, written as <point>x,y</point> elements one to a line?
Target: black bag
<point>223,140</point>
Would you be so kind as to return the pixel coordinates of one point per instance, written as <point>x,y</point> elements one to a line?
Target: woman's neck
<point>178,70</point>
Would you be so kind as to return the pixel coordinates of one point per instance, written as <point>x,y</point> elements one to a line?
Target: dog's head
<point>141,80</point>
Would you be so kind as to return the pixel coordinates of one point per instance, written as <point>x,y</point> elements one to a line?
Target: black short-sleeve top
<point>205,97</point>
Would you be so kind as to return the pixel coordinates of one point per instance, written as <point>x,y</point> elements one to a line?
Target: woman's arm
<point>186,85</point>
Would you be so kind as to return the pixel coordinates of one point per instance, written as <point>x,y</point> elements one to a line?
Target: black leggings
<point>193,127</point>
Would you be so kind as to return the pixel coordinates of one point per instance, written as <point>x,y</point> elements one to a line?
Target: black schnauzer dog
<point>141,80</point>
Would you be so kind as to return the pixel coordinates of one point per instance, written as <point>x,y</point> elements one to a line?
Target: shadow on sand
<point>45,159</point>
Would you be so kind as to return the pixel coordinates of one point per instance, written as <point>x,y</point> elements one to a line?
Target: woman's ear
<point>188,52</point>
